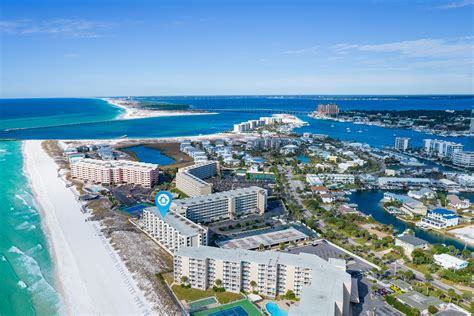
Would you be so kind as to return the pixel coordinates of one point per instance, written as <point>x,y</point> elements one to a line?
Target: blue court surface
<point>233,311</point>
<point>136,210</point>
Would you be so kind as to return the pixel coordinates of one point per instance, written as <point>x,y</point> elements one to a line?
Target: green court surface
<point>197,305</point>
<point>239,308</point>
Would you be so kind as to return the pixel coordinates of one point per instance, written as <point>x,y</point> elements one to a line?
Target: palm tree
<point>218,282</point>
<point>184,279</point>
<point>253,284</point>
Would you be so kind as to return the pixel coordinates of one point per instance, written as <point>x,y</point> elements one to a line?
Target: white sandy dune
<point>92,278</point>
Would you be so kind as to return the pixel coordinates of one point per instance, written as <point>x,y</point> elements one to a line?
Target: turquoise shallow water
<point>26,270</point>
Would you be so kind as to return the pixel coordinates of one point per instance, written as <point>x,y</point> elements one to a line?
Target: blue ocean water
<point>207,124</point>
<point>25,113</point>
<point>26,270</point>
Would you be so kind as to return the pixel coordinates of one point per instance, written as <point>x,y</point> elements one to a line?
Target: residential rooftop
<point>412,240</point>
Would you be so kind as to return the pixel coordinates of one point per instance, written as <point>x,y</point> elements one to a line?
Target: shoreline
<point>427,132</point>
<point>46,231</point>
<point>80,252</point>
<point>139,113</point>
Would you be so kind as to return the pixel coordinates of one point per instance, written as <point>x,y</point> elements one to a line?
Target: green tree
<point>218,282</point>
<point>421,257</point>
<point>253,284</point>
<point>428,276</point>
<point>432,309</point>
<point>184,279</point>
<point>290,295</point>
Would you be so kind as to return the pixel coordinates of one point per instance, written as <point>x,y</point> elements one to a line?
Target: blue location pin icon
<point>163,201</point>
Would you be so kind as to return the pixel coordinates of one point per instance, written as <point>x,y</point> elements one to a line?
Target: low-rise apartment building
<point>340,178</point>
<point>323,288</point>
<point>223,205</point>
<point>190,181</point>
<point>115,172</point>
<point>173,231</point>
<point>398,182</point>
<point>440,218</point>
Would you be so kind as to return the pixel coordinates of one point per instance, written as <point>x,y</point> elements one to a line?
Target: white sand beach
<point>132,112</point>
<point>91,277</point>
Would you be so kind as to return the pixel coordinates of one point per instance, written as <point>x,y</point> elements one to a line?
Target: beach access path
<point>91,277</point>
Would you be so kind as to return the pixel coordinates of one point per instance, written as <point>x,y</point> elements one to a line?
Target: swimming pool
<point>274,310</point>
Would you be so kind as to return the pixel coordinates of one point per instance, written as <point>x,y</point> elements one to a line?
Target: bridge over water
<point>270,111</point>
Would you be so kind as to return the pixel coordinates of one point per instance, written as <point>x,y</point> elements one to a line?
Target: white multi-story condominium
<point>253,124</point>
<point>338,178</point>
<point>173,231</point>
<point>403,182</point>
<point>190,179</point>
<point>465,180</point>
<point>464,159</point>
<point>402,143</point>
<point>223,205</point>
<point>441,148</point>
<point>115,172</point>
<point>267,142</point>
<point>323,288</point>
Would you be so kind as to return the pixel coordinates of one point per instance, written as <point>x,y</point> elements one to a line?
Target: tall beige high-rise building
<point>327,109</point>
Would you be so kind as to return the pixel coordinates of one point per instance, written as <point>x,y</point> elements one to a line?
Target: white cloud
<point>460,47</point>
<point>310,50</point>
<point>65,27</point>
<point>457,4</point>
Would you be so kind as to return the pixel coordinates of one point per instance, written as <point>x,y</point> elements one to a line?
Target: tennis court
<point>201,304</point>
<point>239,308</point>
<point>136,210</point>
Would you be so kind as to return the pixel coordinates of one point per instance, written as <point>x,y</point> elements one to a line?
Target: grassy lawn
<point>423,268</point>
<point>168,276</point>
<point>245,304</point>
<point>190,294</point>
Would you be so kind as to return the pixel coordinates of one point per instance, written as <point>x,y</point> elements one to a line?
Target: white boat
<point>348,130</point>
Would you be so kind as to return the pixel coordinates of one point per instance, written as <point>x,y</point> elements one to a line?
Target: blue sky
<point>98,48</point>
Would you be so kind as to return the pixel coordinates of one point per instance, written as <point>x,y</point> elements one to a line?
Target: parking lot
<point>129,194</point>
<point>326,251</point>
